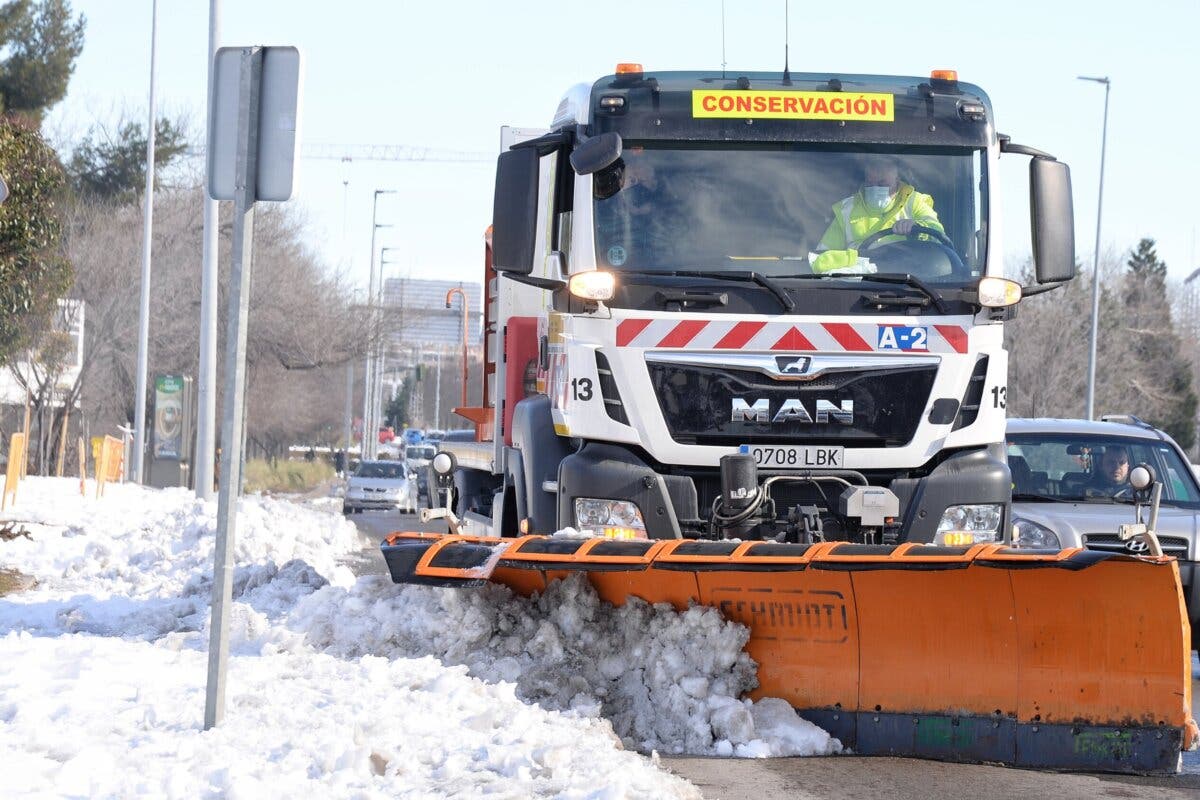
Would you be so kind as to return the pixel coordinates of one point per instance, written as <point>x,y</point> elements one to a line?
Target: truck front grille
<point>697,403</point>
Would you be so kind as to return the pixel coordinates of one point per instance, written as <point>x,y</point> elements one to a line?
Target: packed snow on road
<point>340,687</point>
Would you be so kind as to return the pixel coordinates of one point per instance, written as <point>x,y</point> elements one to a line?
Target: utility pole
<point>385,341</point>
<point>437,397</point>
<point>465,313</point>
<point>370,435</point>
<point>139,421</point>
<point>349,408</point>
<point>1091,382</point>
<point>204,458</point>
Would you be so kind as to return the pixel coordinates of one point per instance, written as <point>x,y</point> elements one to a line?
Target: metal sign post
<point>235,381</point>
<point>263,150</point>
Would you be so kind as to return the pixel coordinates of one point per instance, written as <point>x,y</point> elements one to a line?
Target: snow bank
<point>668,681</point>
<point>332,688</point>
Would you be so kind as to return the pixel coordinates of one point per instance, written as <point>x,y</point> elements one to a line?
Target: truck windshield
<point>784,209</point>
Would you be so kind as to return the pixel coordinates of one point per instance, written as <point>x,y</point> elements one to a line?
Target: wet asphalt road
<point>848,778</point>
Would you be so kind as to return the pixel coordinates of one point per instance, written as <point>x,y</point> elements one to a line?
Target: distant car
<point>413,436</point>
<point>1061,500</point>
<point>433,437</point>
<point>462,435</point>
<point>416,459</point>
<point>377,485</point>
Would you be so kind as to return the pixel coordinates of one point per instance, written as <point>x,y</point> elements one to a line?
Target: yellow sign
<point>861,106</point>
<point>111,464</point>
<point>16,458</point>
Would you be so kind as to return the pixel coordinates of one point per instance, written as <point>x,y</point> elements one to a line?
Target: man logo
<point>791,365</point>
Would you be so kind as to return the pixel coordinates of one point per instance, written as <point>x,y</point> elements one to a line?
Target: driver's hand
<point>903,226</point>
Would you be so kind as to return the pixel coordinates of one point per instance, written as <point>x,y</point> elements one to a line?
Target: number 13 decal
<point>581,389</point>
<point>999,397</point>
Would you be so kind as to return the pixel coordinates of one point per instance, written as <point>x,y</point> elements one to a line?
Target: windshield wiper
<point>751,277</point>
<point>913,281</point>
<point>880,301</point>
<point>904,278</point>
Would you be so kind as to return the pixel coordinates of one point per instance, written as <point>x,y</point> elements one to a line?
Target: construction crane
<point>392,152</point>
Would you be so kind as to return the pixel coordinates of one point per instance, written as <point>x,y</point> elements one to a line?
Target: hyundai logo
<point>1137,545</point>
<point>791,365</point>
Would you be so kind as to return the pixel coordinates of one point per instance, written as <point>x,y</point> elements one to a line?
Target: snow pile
<point>668,681</point>
<point>139,563</point>
<point>96,717</point>
<point>332,690</point>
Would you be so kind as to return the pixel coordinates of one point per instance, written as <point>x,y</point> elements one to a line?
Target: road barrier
<point>82,466</point>
<point>16,463</point>
<point>111,464</point>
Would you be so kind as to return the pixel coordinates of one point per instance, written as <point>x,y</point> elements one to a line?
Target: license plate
<point>792,457</point>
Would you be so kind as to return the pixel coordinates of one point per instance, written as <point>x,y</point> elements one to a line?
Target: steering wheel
<point>939,238</point>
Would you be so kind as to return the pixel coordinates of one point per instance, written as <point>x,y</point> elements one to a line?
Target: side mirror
<point>1052,217</point>
<point>1141,477</point>
<point>596,153</point>
<point>514,211</point>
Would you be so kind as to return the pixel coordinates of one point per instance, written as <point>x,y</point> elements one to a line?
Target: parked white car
<point>377,485</point>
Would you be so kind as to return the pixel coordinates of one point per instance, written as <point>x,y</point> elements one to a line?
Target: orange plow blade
<point>1071,659</point>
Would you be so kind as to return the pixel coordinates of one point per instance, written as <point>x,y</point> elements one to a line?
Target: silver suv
<point>1071,489</point>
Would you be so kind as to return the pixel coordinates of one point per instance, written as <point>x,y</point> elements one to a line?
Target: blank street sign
<point>279,115</point>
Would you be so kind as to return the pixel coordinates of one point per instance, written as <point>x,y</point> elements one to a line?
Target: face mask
<point>877,197</point>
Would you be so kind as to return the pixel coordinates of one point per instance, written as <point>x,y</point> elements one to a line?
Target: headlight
<point>1030,535</point>
<point>412,476</point>
<point>967,525</point>
<point>618,519</point>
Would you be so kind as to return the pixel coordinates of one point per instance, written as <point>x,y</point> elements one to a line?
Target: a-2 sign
<point>903,337</point>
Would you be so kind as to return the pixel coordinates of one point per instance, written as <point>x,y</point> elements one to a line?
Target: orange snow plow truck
<point>743,340</point>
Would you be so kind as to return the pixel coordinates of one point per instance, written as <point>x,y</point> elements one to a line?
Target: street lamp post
<point>1091,382</point>
<point>380,374</point>
<point>458,290</point>
<point>204,457</point>
<point>370,435</point>
<point>139,418</point>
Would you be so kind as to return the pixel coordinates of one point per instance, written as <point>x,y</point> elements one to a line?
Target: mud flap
<point>1070,660</point>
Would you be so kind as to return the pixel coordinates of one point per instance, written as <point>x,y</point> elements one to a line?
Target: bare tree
<point>303,325</point>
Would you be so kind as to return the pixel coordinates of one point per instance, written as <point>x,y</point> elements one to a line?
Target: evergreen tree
<point>1159,374</point>
<point>113,169</point>
<point>40,42</point>
<point>33,270</point>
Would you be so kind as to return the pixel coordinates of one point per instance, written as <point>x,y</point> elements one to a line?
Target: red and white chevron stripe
<point>701,334</point>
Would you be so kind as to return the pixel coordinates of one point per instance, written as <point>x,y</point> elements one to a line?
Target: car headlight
<point>1028,534</point>
<point>618,519</point>
<point>970,524</point>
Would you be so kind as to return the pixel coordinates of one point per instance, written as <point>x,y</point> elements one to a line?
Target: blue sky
<point>448,75</point>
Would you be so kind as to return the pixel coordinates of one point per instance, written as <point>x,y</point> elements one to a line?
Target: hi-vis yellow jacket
<point>854,221</point>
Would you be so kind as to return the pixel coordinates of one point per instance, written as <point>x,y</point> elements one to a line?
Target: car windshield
<point>419,453</point>
<point>1094,468</point>
<point>379,469</point>
<point>788,209</point>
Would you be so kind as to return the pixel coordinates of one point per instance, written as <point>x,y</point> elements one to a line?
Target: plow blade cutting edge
<point>1068,660</point>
